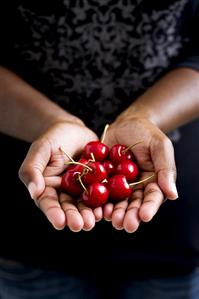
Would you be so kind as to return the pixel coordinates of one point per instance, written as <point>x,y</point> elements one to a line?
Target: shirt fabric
<point>94,58</point>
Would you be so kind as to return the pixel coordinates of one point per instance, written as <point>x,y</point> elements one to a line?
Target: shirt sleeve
<point>190,54</point>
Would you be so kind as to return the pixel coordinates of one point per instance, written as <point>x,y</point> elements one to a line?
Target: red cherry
<point>127,168</point>
<point>119,153</point>
<point>97,175</point>
<point>118,187</point>
<point>95,196</point>
<point>70,183</point>
<point>110,168</point>
<point>99,150</point>
<point>78,167</point>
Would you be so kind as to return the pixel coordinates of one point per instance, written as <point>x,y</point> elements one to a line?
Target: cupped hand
<point>41,173</point>
<point>154,154</point>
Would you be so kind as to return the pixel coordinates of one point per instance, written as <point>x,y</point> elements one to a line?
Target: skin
<point>47,127</point>
<point>171,102</point>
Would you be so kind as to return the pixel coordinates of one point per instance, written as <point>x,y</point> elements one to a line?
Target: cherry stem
<point>104,133</point>
<point>79,163</point>
<point>67,155</point>
<point>131,146</point>
<point>142,181</point>
<point>92,157</point>
<point>105,181</point>
<point>80,180</point>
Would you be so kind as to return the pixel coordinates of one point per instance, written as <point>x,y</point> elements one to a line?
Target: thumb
<point>31,170</point>
<point>164,163</point>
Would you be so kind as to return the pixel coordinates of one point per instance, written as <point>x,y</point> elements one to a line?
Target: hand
<point>41,173</point>
<point>154,154</point>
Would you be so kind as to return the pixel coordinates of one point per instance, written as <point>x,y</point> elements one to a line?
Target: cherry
<point>75,165</point>
<point>110,168</point>
<point>70,183</point>
<point>97,175</point>
<point>119,152</point>
<point>95,196</point>
<point>78,167</point>
<point>127,168</point>
<point>94,178</point>
<point>118,187</point>
<point>98,149</point>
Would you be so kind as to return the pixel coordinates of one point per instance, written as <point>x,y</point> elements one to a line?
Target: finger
<point>164,163</point>
<point>118,214</point>
<point>49,205</point>
<point>145,179</point>
<point>98,213</point>
<point>57,164</point>
<point>31,170</point>
<point>74,219</point>
<point>132,220</point>
<point>54,181</point>
<point>153,198</point>
<point>87,216</point>
<point>107,211</point>
<point>143,156</point>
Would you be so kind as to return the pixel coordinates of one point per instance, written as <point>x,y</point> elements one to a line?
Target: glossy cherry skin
<point>95,196</point>
<point>99,150</point>
<point>129,169</point>
<point>118,187</point>
<point>118,154</point>
<point>97,175</point>
<point>77,167</point>
<point>110,168</point>
<point>70,183</point>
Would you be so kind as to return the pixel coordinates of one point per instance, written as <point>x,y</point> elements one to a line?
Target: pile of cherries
<point>101,174</point>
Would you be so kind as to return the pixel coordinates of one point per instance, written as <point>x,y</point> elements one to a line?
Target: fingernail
<point>32,189</point>
<point>107,219</point>
<point>58,227</point>
<point>174,189</point>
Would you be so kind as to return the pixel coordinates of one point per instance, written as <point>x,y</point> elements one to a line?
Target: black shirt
<point>94,58</point>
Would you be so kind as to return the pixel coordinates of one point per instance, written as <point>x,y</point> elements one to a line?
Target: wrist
<point>61,118</point>
<point>137,111</point>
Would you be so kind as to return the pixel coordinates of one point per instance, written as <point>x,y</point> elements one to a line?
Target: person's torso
<point>94,58</point>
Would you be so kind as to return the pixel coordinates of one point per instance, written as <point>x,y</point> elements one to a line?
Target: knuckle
<point>172,170</point>
<point>23,172</point>
<point>152,191</point>
<point>166,142</point>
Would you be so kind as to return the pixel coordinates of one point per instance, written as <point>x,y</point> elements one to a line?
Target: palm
<point>151,157</point>
<point>48,163</point>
